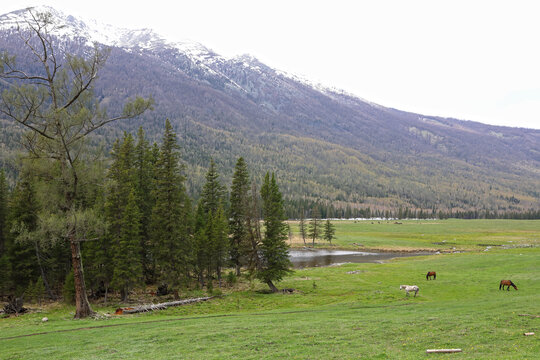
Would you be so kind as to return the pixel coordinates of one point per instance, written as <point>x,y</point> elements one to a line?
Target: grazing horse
<point>507,283</point>
<point>430,274</point>
<point>408,288</point>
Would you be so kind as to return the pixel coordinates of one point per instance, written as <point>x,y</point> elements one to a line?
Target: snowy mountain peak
<point>68,26</point>
<point>203,62</point>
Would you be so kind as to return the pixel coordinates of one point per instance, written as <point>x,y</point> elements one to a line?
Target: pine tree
<point>211,217</point>
<point>254,231</point>
<point>5,264</point>
<point>170,215</point>
<point>213,192</point>
<point>314,228</point>
<point>121,182</point>
<point>3,211</point>
<point>143,187</point>
<point>239,215</point>
<point>220,241</point>
<point>127,271</point>
<point>23,219</point>
<point>275,262</point>
<point>329,231</point>
<point>5,274</point>
<point>302,226</point>
<point>201,245</point>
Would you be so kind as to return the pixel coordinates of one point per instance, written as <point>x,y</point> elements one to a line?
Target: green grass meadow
<point>333,314</point>
<point>443,235</point>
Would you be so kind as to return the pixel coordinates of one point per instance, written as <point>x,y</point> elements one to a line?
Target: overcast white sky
<point>472,60</point>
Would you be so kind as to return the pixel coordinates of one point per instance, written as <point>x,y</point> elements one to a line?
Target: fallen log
<point>161,306</point>
<point>429,351</point>
<point>528,334</point>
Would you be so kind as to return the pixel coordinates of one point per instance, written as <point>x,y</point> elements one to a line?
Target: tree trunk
<point>124,295</point>
<point>272,286</point>
<point>82,305</point>
<point>162,306</point>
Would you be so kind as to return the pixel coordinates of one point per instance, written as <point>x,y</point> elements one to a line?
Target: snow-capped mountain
<point>67,26</point>
<point>146,40</point>
<point>327,143</point>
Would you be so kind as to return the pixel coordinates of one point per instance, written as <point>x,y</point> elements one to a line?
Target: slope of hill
<point>324,144</point>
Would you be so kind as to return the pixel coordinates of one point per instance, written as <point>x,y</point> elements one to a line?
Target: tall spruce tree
<point>201,245</point>
<point>254,226</point>
<point>214,221</point>
<point>302,226</point>
<point>23,219</point>
<point>5,263</point>
<point>170,215</point>
<point>239,215</point>
<point>329,231</point>
<point>275,263</point>
<point>213,193</point>
<point>128,270</point>
<point>144,165</point>
<point>3,211</point>
<point>314,228</point>
<point>121,177</point>
<point>220,241</point>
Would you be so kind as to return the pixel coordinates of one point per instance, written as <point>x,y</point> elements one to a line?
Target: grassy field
<point>443,235</point>
<point>334,314</point>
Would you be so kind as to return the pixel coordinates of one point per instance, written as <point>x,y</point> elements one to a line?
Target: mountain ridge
<point>411,157</point>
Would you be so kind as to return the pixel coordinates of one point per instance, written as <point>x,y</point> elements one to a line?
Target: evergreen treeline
<point>298,209</point>
<point>140,227</point>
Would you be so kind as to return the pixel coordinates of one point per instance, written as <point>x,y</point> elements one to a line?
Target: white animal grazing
<point>408,288</point>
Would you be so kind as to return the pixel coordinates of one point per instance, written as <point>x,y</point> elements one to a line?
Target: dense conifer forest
<point>140,226</point>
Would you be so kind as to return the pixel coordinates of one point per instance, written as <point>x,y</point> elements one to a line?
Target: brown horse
<point>507,283</point>
<point>430,274</point>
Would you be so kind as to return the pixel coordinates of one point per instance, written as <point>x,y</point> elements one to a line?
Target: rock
<point>45,319</point>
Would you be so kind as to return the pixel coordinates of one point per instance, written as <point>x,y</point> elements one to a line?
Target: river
<point>302,258</point>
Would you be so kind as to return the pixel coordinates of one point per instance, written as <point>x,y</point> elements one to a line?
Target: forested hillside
<point>327,146</point>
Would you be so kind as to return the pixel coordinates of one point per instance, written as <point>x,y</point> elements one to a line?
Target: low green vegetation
<point>336,312</point>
